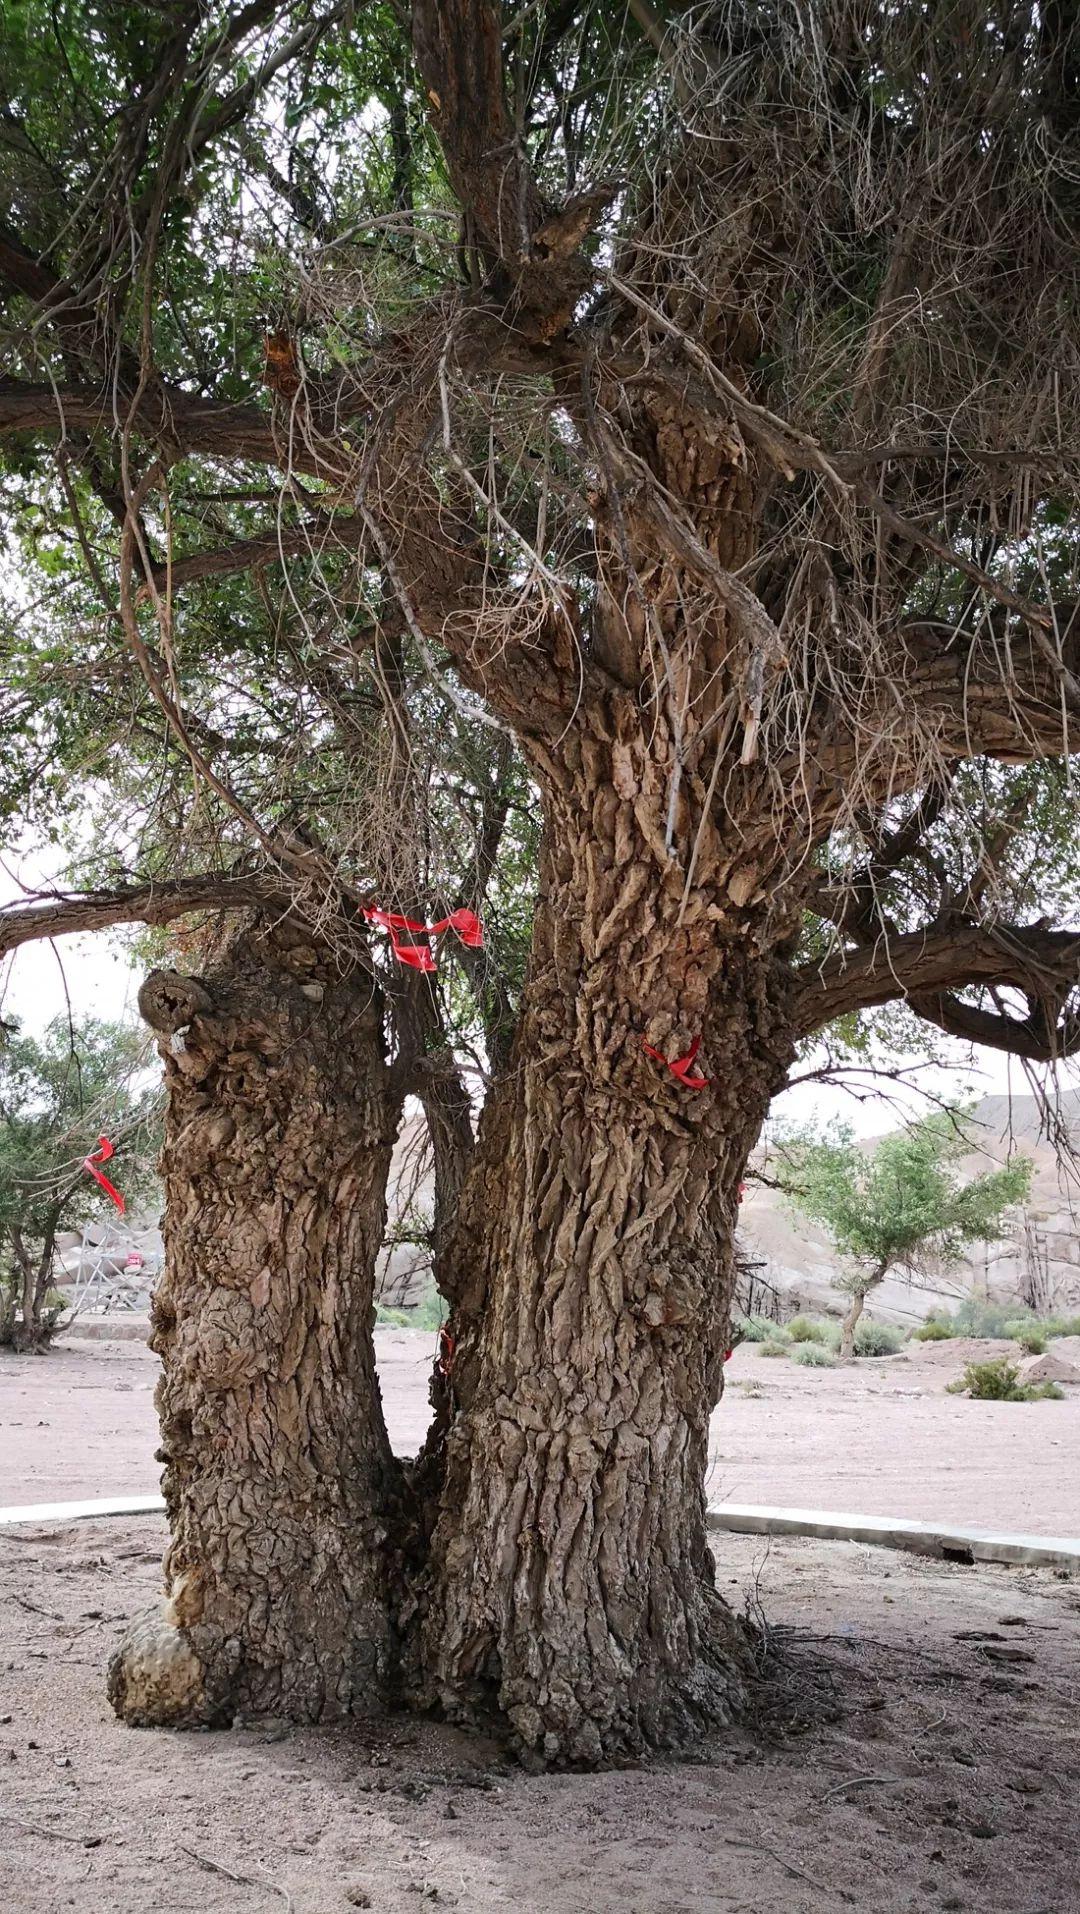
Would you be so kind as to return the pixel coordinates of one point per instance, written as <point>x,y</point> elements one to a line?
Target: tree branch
<point>1032,1037</point>
<point>926,967</point>
<point>55,914</point>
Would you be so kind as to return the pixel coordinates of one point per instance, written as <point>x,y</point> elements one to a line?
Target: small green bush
<point>933,1330</point>
<point>429,1313</point>
<point>773,1348</point>
<point>1062,1325</point>
<point>810,1355</point>
<point>805,1329</point>
<point>877,1339</point>
<point>758,1329</point>
<point>1032,1341</point>
<point>999,1381</point>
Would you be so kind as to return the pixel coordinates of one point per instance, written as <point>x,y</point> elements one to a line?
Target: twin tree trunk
<point>556,1575</point>
<point>278,1475</point>
<point>568,1587</point>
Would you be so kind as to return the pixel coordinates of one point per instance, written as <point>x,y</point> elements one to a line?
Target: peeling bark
<point>278,1475</point>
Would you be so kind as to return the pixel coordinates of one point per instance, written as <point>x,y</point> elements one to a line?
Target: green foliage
<point>1062,1325</point>
<point>810,1355</point>
<point>877,1339</point>
<point>989,1321</point>
<point>933,1330</point>
<point>806,1329</point>
<point>902,1204</point>
<point>774,1347</point>
<point>999,1381</point>
<point>760,1329</point>
<point>57,1094</point>
<point>1030,1336</point>
<point>428,1314</point>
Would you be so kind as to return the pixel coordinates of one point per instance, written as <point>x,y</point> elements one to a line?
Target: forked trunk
<point>278,1474</point>
<point>571,1588</point>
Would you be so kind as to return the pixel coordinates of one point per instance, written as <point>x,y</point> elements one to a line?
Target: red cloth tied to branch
<point>681,1067</point>
<point>104,1151</point>
<point>464,923</point>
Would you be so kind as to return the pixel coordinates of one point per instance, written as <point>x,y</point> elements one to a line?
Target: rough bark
<point>278,1476</point>
<point>571,1589</point>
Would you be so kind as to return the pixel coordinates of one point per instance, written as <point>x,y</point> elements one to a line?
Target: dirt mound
<point>1048,1368</point>
<point>960,1349</point>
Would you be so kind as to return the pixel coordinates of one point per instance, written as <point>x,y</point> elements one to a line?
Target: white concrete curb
<point>73,1511</point>
<point>884,1531</point>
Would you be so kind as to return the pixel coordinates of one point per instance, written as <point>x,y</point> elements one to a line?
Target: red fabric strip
<point>465,923</point>
<point>681,1067</point>
<point>104,1151</point>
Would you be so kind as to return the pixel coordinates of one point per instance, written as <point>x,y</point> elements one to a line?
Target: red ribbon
<point>104,1151</point>
<point>681,1067</point>
<point>418,956</point>
<point>447,1346</point>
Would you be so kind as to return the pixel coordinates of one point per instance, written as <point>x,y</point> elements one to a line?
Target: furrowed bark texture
<point>278,1475</point>
<point>571,1587</point>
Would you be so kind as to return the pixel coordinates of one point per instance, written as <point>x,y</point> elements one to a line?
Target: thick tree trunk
<point>571,1588</point>
<point>278,1474</point>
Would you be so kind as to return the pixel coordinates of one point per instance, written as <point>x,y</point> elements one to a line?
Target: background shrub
<point>810,1355</point>
<point>806,1329</point>
<point>1032,1341</point>
<point>877,1339</point>
<point>933,1330</point>
<point>429,1313</point>
<point>999,1381</point>
<point>774,1347</point>
<point>990,1320</point>
<point>758,1329</point>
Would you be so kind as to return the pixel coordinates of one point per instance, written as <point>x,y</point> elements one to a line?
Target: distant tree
<point>903,1205</point>
<point>57,1094</point>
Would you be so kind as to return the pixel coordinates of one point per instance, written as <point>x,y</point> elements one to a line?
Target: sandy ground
<point>876,1438</point>
<point>939,1769</point>
<point>932,1763</point>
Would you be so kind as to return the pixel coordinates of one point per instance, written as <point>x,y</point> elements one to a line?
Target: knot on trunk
<point>155,1678</point>
<point>168,1001</point>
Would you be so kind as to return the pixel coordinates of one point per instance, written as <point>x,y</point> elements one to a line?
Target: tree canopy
<point>851,249</point>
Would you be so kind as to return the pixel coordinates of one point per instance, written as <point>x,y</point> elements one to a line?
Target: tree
<point>56,1093</point>
<point>692,397</point>
<point>278,1479</point>
<point>902,1205</point>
